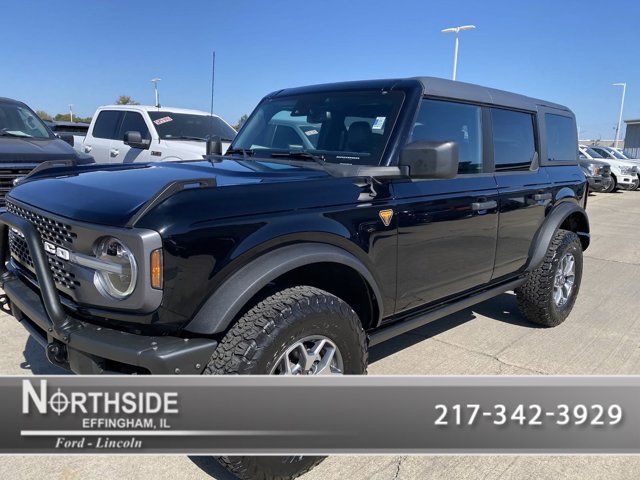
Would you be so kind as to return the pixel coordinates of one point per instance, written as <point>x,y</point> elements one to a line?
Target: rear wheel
<point>298,331</point>
<point>548,295</point>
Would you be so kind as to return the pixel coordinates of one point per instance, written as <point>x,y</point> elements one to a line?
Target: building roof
<point>632,122</point>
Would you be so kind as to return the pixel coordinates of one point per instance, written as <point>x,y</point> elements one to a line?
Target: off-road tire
<point>260,336</point>
<point>535,296</point>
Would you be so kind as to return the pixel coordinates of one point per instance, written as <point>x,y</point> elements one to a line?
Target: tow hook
<point>57,354</point>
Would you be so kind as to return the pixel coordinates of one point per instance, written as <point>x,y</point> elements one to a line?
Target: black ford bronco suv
<point>342,215</point>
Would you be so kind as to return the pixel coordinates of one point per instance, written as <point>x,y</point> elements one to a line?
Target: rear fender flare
<point>549,228</point>
<point>227,301</point>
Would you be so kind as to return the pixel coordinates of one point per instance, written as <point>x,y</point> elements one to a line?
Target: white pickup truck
<point>140,133</point>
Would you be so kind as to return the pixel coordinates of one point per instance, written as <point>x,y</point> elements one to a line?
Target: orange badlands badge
<point>386,216</point>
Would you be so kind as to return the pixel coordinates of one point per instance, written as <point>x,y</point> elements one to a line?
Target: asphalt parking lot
<point>602,336</point>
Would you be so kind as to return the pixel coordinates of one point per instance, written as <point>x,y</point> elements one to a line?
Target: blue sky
<point>88,53</point>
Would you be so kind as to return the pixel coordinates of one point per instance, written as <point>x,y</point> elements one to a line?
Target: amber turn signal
<point>156,269</point>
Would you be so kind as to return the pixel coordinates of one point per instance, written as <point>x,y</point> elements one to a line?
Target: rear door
<point>525,188</point>
<point>104,131</point>
<point>122,153</point>
<point>447,229</point>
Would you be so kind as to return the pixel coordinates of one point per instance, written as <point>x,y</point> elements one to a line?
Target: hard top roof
<point>438,87</point>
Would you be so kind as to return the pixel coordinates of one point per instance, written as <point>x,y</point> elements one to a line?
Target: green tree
<point>65,117</point>
<point>241,121</point>
<point>126,100</point>
<point>43,115</point>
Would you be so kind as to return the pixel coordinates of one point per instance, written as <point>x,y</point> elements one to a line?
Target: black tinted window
<point>133,122</point>
<point>562,141</point>
<point>513,139</point>
<point>442,121</point>
<point>106,125</point>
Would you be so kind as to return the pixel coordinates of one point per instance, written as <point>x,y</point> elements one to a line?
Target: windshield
<point>18,121</point>
<point>592,153</point>
<point>340,127</point>
<point>616,154</point>
<point>186,126</point>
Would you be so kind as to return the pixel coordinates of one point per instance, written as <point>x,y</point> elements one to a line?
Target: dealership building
<point>632,138</point>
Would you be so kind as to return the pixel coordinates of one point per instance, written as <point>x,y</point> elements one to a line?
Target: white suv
<point>139,133</point>
<point>623,172</point>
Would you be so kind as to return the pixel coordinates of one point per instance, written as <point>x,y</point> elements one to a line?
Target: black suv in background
<point>26,142</point>
<point>411,199</point>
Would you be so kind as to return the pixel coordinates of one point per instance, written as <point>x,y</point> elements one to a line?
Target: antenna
<point>213,76</point>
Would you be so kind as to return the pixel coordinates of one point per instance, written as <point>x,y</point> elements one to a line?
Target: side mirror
<point>430,159</point>
<point>66,137</point>
<point>135,140</point>
<point>214,146</point>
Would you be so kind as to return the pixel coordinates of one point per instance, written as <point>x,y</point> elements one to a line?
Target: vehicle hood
<point>112,194</point>
<point>25,150</point>
<point>188,149</point>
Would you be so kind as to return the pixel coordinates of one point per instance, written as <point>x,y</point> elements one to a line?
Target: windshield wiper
<point>186,137</point>
<point>245,152</point>
<point>300,154</point>
<point>13,135</point>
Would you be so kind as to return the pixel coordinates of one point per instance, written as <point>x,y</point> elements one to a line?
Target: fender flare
<point>225,303</point>
<point>549,228</point>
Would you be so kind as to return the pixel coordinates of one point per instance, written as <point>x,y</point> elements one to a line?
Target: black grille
<point>7,176</point>
<point>50,230</point>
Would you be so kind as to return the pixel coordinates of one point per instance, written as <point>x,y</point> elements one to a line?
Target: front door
<point>447,229</point>
<point>123,153</point>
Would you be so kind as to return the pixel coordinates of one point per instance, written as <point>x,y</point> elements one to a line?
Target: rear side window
<point>107,123</point>
<point>444,121</point>
<point>562,139</point>
<point>514,143</point>
<point>133,122</point>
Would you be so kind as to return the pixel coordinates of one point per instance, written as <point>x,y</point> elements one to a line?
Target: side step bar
<point>387,332</point>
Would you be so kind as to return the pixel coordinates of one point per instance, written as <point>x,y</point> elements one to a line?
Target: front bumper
<point>599,183</point>
<point>627,181</point>
<point>83,347</point>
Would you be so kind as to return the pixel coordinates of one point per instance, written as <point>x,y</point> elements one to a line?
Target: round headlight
<point>117,285</point>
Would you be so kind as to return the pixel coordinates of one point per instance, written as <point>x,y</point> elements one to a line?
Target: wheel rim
<point>315,355</point>
<point>564,279</point>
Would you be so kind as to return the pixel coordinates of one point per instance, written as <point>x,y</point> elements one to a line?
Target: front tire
<point>301,330</point>
<point>549,293</point>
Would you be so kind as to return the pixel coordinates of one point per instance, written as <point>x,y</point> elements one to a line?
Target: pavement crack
<point>398,467</point>
<point>493,357</point>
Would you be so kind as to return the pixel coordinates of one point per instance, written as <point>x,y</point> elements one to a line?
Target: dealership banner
<point>319,415</point>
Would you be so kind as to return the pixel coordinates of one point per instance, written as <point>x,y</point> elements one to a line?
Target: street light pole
<point>457,31</point>
<point>71,112</point>
<point>155,88</point>
<point>624,91</point>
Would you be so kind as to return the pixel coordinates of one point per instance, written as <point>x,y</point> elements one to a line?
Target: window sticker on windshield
<point>162,120</point>
<point>308,133</point>
<point>379,123</point>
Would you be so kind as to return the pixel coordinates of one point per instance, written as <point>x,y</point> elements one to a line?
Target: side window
<point>442,121</point>
<point>286,138</point>
<point>514,143</point>
<point>133,122</point>
<point>562,140</point>
<point>106,125</point>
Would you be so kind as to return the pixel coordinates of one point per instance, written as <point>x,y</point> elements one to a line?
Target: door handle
<point>87,148</point>
<point>542,196</point>
<point>475,206</point>
<point>114,152</point>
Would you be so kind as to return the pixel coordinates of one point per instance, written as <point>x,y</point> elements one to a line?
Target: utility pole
<point>624,91</point>
<point>155,88</point>
<point>71,112</point>
<point>457,31</point>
